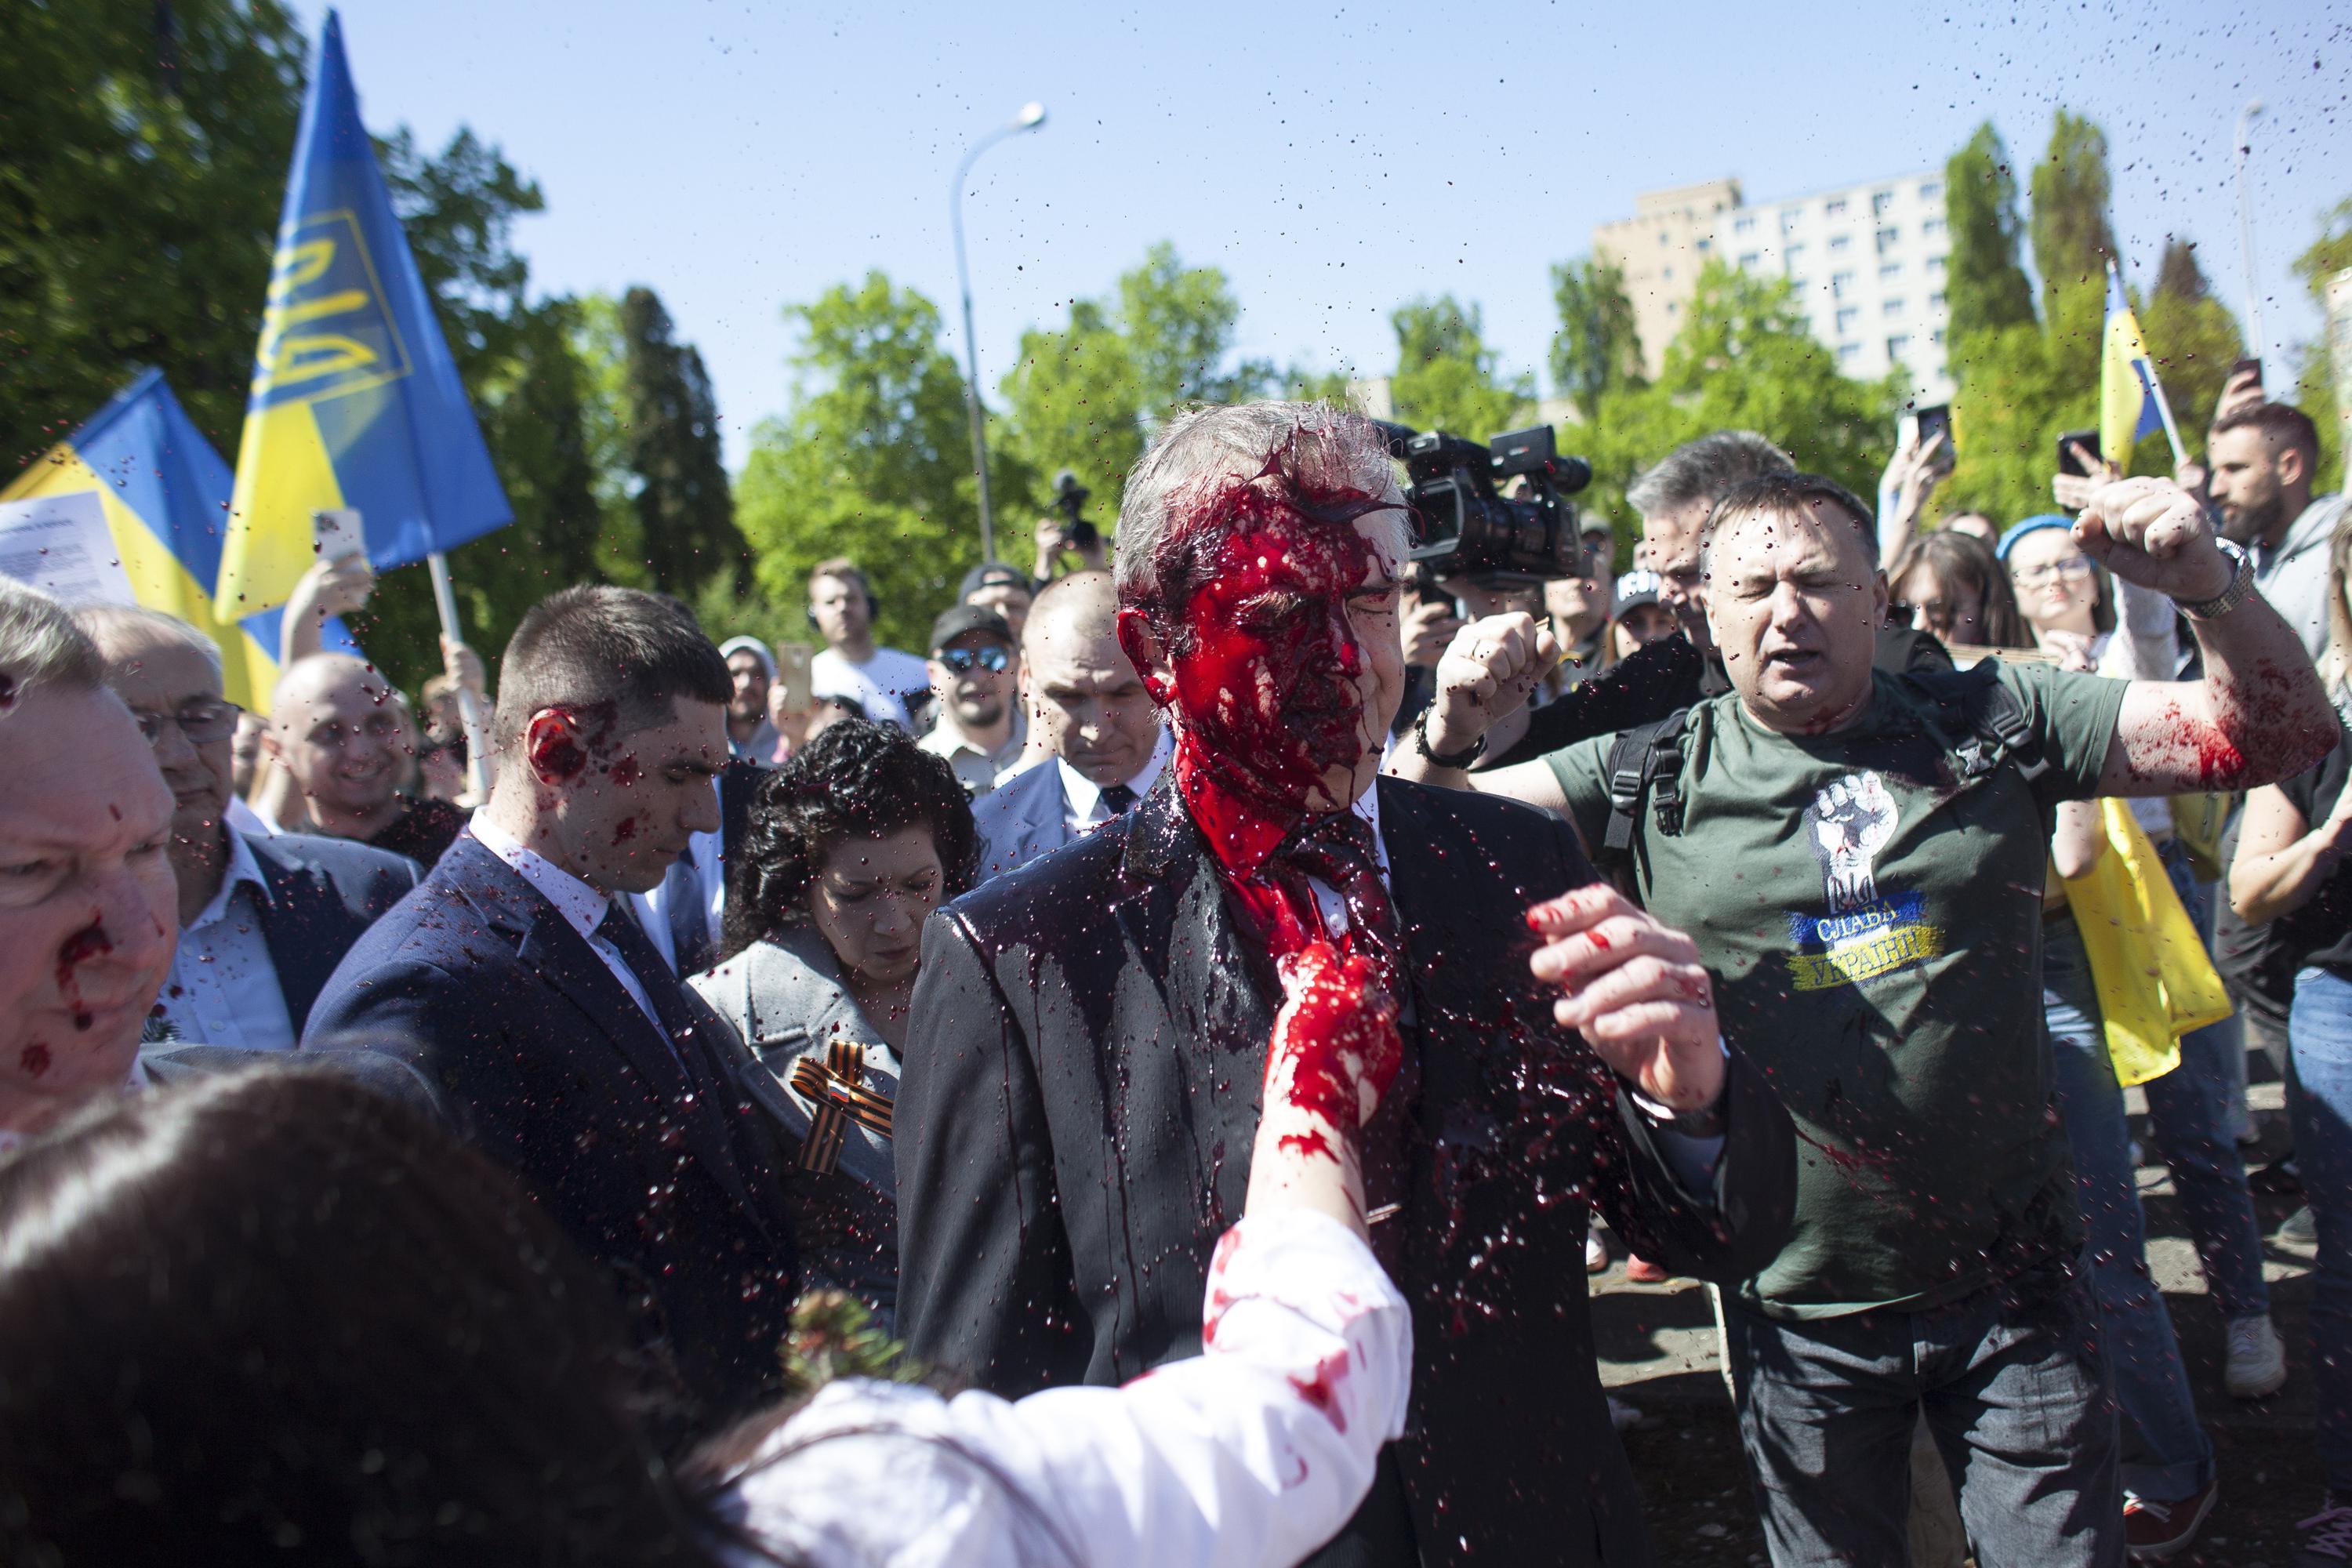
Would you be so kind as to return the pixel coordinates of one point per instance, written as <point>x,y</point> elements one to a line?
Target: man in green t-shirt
<point>1859,856</point>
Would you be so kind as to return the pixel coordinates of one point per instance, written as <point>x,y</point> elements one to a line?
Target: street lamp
<point>2246,117</point>
<point>1031,116</point>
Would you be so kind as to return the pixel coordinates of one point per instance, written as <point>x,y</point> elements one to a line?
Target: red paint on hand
<point>1336,1048</point>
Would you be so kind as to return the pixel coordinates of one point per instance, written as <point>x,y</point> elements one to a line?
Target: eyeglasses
<point>203,722</point>
<point>992,658</point>
<point>2072,569</point>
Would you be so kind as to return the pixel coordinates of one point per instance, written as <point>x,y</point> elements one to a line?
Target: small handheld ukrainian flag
<point>165,492</point>
<point>2131,400</point>
<point>355,401</point>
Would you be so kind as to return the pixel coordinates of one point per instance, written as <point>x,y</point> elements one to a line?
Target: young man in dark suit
<point>516,980</point>
<point>264,919</point>
<point>1081,1084</point>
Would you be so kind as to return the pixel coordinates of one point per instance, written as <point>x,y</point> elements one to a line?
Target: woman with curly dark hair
<point>850,846</point>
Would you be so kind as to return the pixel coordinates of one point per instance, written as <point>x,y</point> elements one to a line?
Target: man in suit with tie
<point>517,982</point>
<point>1106,747</point>
<point>264,919</point>
<point>1082,1074</point>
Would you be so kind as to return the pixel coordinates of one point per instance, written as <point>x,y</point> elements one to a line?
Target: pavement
<point>1658,1352</point>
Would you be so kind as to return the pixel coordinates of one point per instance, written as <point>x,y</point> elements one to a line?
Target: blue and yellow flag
<point>165,491</point>
<point>355,402</point>
<point>2128,391</point>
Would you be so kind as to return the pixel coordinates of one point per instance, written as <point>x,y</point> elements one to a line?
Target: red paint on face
<point>90,942</point>
<point>627,772</point>
<point>34,1059</point>
<point>1322,1388</point>
<point>624,831</point>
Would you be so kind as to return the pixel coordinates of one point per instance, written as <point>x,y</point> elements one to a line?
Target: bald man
<point>342,734</point>
<point>1105,744</point>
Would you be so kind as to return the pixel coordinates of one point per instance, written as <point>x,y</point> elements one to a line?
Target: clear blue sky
<point>1334,161</point>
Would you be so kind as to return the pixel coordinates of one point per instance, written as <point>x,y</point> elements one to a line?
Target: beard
<point>2244,527</point>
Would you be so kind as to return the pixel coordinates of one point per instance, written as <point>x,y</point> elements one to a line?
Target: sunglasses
<point>991,659</point>
<point>203,722</point>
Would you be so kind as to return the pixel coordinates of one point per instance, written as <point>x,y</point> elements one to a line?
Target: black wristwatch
<point>1461,759</point>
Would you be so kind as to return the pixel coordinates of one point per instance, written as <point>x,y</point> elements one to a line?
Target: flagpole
<point>2164,412</point>
<point>469,708</point>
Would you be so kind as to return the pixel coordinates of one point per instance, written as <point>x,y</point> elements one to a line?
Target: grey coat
<point>785,996</point>
<point>1023,817</point>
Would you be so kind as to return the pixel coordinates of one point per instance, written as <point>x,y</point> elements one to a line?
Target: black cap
<point>994,574</point>
<point>966,618</point>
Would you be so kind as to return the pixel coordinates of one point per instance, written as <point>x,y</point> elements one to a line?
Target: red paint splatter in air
<point>90,942</point>
<point>34,1059</point>
<point>1322,1389</point>
<point>1337,1030</point>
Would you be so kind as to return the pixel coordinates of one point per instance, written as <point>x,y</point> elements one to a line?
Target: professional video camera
<point>1463,526</point>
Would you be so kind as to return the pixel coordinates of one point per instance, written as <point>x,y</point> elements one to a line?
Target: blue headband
<point>2033,524</point>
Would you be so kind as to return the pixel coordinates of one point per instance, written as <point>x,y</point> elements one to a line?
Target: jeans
<point>2172,1456</point>
<point>2013,1382</point>
<point>2191,1109</point>
<point>2319,1101</point>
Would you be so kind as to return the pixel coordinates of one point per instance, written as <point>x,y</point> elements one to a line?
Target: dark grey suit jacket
<point>1020,819</point>
<point>323,893</point>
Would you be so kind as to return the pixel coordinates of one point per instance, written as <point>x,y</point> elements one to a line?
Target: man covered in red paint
<point>1082,1074</point>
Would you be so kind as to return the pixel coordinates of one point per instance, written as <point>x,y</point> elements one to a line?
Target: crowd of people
<point>1199,1007</point>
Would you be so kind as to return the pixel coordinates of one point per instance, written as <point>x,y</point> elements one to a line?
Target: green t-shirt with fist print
<point>1872,921</point>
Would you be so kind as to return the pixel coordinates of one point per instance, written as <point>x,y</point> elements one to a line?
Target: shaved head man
<point>341,732</point>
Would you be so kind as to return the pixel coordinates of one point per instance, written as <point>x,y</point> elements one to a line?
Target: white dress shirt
<point>581,906</point>
<point>1082,802</point>
<point>653,908</point>
<point>222,989</point>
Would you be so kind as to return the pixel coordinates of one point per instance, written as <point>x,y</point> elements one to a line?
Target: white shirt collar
<point>1085,796</point>
<point>1367,806</point>
<point>578,902</point>
<point>241,866</point>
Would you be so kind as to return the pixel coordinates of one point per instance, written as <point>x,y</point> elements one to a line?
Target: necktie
<point>1336,849</point>
<point>1117,798</point>
<point>654,978</point>
<point>687,908</point>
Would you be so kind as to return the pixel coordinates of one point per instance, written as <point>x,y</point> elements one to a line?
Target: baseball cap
<point>964,618</point>
<point>994,574</point>
<point>1637,587</point>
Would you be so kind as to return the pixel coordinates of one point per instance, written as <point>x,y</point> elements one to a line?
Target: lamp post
<point>2246,117</point>
<point>1031,116</point>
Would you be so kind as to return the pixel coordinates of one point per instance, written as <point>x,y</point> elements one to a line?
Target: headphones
<point>873,604</point>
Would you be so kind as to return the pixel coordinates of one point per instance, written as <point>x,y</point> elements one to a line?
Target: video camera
<point>1463,526</point>
<point>1070,499</point>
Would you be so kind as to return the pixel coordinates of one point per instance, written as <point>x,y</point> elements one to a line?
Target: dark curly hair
<point>855,777</point>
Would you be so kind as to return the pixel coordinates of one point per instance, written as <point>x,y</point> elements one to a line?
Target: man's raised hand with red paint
<point>2260,714</point>
<point>1335,1051</point>
<point>1636,990</point>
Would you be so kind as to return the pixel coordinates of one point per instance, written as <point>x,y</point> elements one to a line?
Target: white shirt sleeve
<point>1252,1454</point>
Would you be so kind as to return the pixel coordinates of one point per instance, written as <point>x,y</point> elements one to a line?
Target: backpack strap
<point>1975,704</point>
<point>1647,759</point>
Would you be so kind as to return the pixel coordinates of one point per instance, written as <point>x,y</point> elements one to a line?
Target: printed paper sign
<point>61,545</point>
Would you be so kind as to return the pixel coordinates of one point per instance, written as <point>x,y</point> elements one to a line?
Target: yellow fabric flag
<point>2155,980</point>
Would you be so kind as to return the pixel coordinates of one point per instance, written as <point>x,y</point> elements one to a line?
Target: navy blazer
<point>549,1066</point>
<point>323,893</point>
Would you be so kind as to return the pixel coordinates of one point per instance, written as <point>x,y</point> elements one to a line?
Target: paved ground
<point>1657,1346</point>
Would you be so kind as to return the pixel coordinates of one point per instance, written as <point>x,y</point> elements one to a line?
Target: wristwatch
<point>2242,585</point>
<point>1461,759</point>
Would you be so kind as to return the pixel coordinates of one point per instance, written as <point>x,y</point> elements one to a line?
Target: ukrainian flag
<point>355,401</point>
<point>2129,396</point>
<point>166,495</point>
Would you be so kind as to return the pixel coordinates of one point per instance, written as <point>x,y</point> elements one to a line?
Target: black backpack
<point>1970,704</point>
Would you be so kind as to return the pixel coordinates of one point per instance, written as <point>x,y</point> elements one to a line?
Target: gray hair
<point>41,646</point>
<point>1237,441</point>
<point>106,622</point>
<point>1706,469</point>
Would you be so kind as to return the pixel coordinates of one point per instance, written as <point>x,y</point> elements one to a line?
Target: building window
<point>1848,353</point>
<point>1799,285</point>
<point>1935,266</point>
<point>1841,284</point>
<point>1888,271</point>
<point>1898,345</point>
<point>1744,224</point>
<point>1886,238</point>
<point>1840,242</point>
<point>1892,307</point>
<point>1938,337</point>
<point>1663,240</point>
<point>1673,308</point>
<point>1793,254</point>
<point>1936,300</point>
<point>1846,317</point>
<point>1749,259</point>
<point>1789,220</point>
<point>1704,246</point>
<point>1833,207</point>
<point>1931,190</point>
<point>1932,227</point>
<point>1668,273</point>
<point>1879,202</point>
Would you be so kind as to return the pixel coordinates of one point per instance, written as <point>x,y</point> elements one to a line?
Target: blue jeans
<point>2190,1110</point>
<point>2013,1382</point>
<point>2319,1103</point>
<point>2172,1456</point>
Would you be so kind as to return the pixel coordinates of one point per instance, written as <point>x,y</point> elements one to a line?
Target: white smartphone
<point>337,530</point>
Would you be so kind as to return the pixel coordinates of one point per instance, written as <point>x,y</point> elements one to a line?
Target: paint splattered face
<point>1286,664</point>
<point>627,801</point>
<point>89,912</point>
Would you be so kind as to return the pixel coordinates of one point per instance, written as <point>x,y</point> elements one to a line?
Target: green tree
<point>1446,376</point>
<point>2072,242</point>
<point>1986,287</point>
<point>142,161</point>
<point>2193,340</point>
<point>871,461</point>
<point>685,514</point>
<point>1177,322</point>
<point>1597,350</point>
<point>2319,393</point>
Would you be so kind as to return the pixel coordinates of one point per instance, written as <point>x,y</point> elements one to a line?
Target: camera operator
<point>1070,533</point>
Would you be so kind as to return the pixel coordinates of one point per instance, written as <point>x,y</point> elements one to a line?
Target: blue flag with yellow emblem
<point>165,492</point>
<point>355,402</point>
